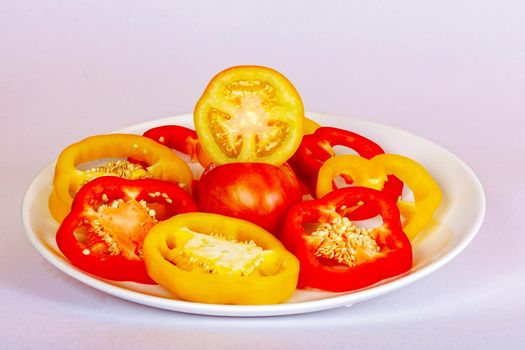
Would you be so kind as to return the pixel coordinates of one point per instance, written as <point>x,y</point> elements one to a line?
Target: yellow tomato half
<point>249,114</point>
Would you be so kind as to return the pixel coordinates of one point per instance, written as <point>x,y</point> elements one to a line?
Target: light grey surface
<point>450,71</point>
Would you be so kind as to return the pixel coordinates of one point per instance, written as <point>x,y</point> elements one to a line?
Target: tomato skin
<point>257,192</point>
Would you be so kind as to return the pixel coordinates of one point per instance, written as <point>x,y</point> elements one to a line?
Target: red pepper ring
<point>180,138</point>
<point>316,148</point>
<point>394,255</point>
<point>90,255</point>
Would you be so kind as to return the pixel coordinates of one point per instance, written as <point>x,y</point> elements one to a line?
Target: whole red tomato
<point>257,192</point>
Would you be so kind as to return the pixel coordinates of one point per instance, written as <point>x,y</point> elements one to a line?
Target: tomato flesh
<point>249,114</point>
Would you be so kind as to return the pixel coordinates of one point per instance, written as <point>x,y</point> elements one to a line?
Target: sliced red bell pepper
<point>180,138</point>
<point>316,148</point>
<point>109,219</point>
<point>334,254</point>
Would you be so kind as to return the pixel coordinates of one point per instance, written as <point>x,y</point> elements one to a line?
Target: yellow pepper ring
<point>164,164</point>
<point>196,285</point>
<point>309,126</point>
<point>373,174</point>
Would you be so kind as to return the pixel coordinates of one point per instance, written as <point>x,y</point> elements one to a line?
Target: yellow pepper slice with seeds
<point>162,164</point>
<point>216,259</point>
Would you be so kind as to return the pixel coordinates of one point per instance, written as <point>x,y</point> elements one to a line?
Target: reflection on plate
<point>457,222</point>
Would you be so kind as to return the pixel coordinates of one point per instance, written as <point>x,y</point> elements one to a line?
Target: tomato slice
<point>249,114</point>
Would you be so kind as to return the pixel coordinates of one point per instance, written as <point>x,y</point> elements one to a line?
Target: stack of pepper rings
<point>134,217</point>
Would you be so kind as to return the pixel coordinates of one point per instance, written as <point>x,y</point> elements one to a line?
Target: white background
<point>451,71</point>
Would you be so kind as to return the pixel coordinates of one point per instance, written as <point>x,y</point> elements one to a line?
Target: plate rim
<point>291,308</point>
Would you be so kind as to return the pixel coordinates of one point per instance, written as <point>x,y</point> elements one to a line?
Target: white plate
<point>458,220</point>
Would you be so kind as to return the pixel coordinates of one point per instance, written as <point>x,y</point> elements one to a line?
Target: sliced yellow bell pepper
<point>215,259</point>
<point>373,173</point>
<point>309,126</point>
<point>162,163</point>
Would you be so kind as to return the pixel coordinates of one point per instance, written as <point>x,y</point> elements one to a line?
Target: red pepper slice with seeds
<point>109,219</point>
<point>334,253</point>
<point>316,148</point>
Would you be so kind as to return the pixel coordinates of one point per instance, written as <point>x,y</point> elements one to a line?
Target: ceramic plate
<point>457,222</point>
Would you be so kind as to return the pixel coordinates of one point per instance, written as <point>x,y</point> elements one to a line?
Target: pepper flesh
<point>317,148</point>
<point>182,139</point>
<point>390,255</point>
<point>194,276</point>
<point>310,126</point>
<point>116,215</point>
<point>373,174</point>
<point>161,162</point>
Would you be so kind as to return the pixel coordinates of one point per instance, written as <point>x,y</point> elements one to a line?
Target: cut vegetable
<point>249,114</point>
